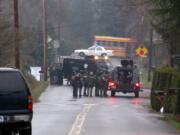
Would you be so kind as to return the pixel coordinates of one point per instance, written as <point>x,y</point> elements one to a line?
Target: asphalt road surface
<point>58,113</point>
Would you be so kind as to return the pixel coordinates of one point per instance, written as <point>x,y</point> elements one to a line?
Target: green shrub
<point>32,82</point>
<point>164,78</point>
<point>155,103</point>
<point>36,87</point>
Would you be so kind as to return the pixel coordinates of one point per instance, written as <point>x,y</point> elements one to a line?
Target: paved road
<point>58,113</point>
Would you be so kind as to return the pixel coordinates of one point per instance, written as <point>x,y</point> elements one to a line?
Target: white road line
<point>78,123</point>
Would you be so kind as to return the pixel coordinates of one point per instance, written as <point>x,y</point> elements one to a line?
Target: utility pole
<point>16,27</point>
<point>150,54</point>
<point>45,42</point>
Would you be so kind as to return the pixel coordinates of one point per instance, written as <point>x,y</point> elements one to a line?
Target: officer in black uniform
<point>60,74</point>
<point>105,79</point>
<point>80,82</point>
<point>90,83</point>
<point>56,74</point>
<point>85,83</point>
<point>101,90</point>
<point>74,82</point>
<point>98,84</point>
<point>51,74</point>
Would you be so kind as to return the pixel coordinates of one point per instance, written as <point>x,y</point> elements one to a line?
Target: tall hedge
<point>163,79</point>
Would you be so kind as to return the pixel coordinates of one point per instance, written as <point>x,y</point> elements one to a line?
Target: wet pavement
<point>58,113</point>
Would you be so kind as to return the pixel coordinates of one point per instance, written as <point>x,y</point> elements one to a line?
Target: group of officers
<point>84,82</point>
<point>56,74</point>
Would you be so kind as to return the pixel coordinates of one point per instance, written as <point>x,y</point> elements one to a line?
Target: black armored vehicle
<point>56,74</point>
<point>89,64</point>
<point>125,79</point>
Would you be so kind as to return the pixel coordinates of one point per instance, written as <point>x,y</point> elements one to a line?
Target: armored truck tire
<point>136,94</point>
<point>113,93</point>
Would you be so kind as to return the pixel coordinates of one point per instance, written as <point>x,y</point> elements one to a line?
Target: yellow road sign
<point>142,51</point>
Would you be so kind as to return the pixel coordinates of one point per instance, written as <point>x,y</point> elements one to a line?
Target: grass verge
<point>173,120</point>
<point>36,92</point>
<point>169,118</point>
<point>36,87</point>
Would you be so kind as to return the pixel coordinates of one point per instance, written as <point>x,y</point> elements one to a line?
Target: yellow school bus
<point>121,46</point>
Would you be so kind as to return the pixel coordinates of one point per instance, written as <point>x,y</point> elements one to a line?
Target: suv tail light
<point>112,84</point>
<point>30,103</point>
<point>137,85</point>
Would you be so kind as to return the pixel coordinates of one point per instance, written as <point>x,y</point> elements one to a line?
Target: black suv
<point>71,64</point>
<point>15,103</point>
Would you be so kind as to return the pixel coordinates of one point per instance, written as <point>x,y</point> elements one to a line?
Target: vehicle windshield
<point>11,81</point>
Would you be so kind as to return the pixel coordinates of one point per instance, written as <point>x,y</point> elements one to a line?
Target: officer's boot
<point>76,91</point>
<point>74,94</point>
<point>91,88</point>
<point>105,93</point>
<point>101,92</point>
<point>97,90</point>
<point>85,88</point>
<point>88,90</point>
<point>80,91</point>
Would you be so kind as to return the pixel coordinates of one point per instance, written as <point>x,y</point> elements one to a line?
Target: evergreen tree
<point>167,22</point>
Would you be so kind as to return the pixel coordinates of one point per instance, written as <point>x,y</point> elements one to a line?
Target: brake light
<point>137,85</point>
<point>30,103</point>
<point>112,84</point>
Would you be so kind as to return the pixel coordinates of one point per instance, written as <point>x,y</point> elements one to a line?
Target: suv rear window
<point>12,81</point>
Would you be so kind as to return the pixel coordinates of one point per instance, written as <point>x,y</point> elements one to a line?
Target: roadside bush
<point>32,82</point>
<point>163,79</point>
<point>36,87</point>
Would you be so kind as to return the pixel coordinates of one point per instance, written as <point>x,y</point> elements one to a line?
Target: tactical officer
<point>80,82</point>
<point>51,74</point>
<point>90,83</point>
<point>105,81</point>
<point>74,82</point>
<point>101,85</point>
<point>85,83</point>
<point>98,84</point>
<point>60,75</point>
